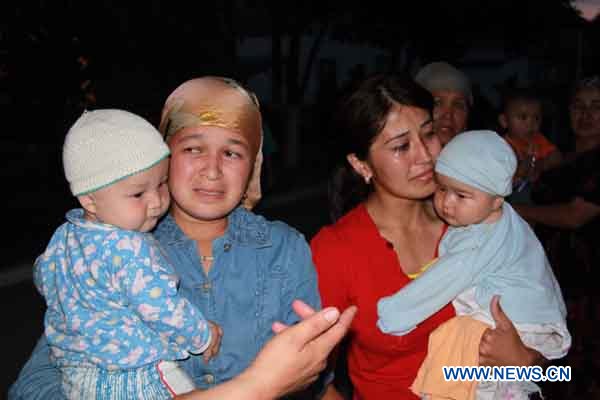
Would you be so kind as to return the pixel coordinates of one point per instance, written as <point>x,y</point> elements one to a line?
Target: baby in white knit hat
<point>487,250</point>
<point>115,321</point>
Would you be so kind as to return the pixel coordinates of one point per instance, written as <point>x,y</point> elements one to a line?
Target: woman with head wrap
<point>451,91</point>
<point>241,270</point>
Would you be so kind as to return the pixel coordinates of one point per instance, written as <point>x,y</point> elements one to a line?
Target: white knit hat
<point>105,146</point>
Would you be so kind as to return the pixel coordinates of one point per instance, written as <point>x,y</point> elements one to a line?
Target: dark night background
<point>58,57</point>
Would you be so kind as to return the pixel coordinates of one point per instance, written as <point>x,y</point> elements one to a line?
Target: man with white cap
<point>487,251</point>
<point>453,99</point>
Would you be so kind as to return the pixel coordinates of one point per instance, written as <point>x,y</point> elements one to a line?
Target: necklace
<point>207,258</point>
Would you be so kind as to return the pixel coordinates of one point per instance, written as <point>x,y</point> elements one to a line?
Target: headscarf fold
<point>221,102</point>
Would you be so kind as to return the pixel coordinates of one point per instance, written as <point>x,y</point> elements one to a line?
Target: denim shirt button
<point>256,314</point>
<point>209,379</point>
<point>206,287</point>
<point>257,293</point>
<point>227,247</point>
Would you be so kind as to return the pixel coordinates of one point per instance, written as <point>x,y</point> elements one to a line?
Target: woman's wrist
<point>533,357</point>
<point>252,386</point>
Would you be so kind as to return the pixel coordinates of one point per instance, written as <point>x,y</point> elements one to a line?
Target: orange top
<point>540,146</point>
<point>455,342</point>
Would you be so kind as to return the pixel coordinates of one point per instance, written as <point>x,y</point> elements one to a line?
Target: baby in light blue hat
<point>488,250</point>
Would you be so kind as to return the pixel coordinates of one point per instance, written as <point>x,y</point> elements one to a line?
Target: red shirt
<point>356,265</point>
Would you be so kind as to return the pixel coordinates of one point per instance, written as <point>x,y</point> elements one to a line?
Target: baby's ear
<point>88,203</point>
<point>498,201</point>
<point>503,121</point>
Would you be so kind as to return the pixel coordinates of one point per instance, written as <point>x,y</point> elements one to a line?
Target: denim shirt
<point>259,268</point>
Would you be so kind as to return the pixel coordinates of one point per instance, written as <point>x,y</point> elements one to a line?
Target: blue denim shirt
<point>259,268</point>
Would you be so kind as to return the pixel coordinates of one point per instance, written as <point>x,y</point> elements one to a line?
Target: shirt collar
<point>77,217</point>
<point>244,228</point>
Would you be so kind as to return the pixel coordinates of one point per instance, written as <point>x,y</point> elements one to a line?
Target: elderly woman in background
<point>584,110</point>
<point>451,91</point>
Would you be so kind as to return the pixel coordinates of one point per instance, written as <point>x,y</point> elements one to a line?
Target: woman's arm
<point>298,352</point>
<point>39,379</point>
<point>570,215</point>
<point>502,345</point>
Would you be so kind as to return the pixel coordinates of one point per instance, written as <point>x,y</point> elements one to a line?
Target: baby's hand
<point>215,342</point>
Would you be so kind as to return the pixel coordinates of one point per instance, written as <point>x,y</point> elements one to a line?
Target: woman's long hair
<point>359,119</point>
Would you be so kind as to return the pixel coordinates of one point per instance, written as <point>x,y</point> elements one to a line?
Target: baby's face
<point>459,204</point>
<point>136,202</point>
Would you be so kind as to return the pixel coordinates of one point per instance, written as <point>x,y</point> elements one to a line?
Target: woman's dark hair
<point>360,117</point>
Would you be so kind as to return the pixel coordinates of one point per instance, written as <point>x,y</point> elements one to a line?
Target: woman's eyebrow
<point>399,135</point>
<point>191,136</point>
<point>237,142</point>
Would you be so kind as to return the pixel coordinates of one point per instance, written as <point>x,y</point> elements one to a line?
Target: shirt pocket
<point>271,289</point>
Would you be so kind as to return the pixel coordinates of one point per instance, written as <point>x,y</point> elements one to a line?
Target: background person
<point>452,98</point>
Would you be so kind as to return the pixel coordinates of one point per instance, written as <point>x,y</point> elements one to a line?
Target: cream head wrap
<point>222,102</point>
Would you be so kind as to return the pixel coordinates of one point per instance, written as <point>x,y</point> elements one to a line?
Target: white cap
<point>105,146</point>
<point>440,75</point>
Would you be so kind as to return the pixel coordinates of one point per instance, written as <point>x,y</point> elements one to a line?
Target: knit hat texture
<point>480,159</point>
<point>105,146</point>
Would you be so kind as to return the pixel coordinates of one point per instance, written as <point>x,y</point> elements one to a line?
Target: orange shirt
<point>541,146</point>
<point>355,265</point>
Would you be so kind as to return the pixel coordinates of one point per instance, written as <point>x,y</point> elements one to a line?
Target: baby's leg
<point>156,381</point>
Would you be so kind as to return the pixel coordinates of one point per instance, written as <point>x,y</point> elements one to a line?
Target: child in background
<point>115,322</point>
<point>488,250</point>
<point>521,118</point>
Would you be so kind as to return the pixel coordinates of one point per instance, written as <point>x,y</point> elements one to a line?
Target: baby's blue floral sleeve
<point>151,288</point>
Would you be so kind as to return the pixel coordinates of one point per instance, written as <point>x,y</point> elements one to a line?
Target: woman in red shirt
<point>386,232</point>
